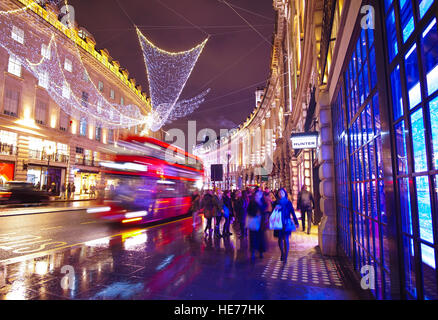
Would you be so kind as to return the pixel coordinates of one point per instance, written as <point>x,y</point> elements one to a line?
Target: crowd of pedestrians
<point>250,211</point>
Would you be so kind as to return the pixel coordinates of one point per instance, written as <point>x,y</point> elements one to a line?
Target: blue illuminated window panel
<point>383,216</point>
<point>429,43</point>
<point>409,264</point>
<point>424,7</point>
<point>397,100</point>
<point>412,77</point>
<point>402,159</point>
<point>418,141</point>
<point>379,156</point>
<point>405,205</point>
<point>376,111</point>
<point>365,78</point>
<point>434,125</point>
<point>424,209</point>
<point>429,272</point>
<point>373,69</point>
<point>406,18</point>
<point>392,35</point>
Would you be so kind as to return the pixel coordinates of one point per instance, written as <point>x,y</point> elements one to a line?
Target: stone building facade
<point>39,142</point>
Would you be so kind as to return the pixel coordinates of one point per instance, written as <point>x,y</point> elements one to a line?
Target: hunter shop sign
<point>304,140</point>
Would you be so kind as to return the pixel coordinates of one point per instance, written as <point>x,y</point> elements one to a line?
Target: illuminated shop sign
<point>304,140</point>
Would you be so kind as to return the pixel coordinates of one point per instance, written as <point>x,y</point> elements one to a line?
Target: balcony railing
<point>41,155</point>
<point>7,149</point>
<point>90,162</point>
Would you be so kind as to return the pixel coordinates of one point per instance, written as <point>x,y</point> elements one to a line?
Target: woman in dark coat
<point>287,213</point>
<point>257,209</point>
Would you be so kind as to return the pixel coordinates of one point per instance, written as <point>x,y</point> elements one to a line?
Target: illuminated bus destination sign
<point>304,141</point>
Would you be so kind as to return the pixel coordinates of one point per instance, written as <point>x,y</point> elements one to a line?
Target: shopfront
<point>46,178</point>
<point>84,182</point>
<point>385,133</point>
<point>6,172</point>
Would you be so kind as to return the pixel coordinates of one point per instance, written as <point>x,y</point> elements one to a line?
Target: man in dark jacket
<point>210,206</point>
<point>306,205</point>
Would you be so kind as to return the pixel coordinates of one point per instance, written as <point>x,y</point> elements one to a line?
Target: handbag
<point>254,223</point>
<point>275,222</point>
<point>226,212</point>
<point>289,226</point>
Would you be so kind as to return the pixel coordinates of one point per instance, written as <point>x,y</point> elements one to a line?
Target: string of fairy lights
<point>59,68</point>
<point>168,73</point>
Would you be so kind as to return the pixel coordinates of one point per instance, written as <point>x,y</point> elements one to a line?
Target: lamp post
<point>228,169</point>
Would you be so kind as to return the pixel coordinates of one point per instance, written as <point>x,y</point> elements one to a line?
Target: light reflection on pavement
<point>175,261</point>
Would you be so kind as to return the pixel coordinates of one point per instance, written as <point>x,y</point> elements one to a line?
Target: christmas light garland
<point>67,89</point>
<point>81,99</point>
<point>168,73</point>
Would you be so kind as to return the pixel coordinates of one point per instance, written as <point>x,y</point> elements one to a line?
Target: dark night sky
<point>236,57</point>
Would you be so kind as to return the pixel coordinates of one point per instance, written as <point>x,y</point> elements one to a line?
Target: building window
<point>112,94</point>
<point>45,51</point>
<point>12,101</point>
<point>111,135</point>
<point>63,121</point>
<point>84,99</point>
<point>359,168</point>
<point>14,66</point>
<point>41,111</point>
<point>66,91</point>
<point>122,101</point>
<point>83,127</point>
<point>43,79</point>
<point>68,65</point>
<point>414,79</point>
<point>8,143</point>
<point>17,34</point>
<point>100,86</point>
<point>98,133</point>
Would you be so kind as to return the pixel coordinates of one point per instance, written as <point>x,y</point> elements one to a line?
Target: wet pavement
<point>174,261</point>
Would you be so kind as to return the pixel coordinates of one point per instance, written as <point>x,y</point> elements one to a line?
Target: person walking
<point>68,191</point>
<point>195,206</point>
<point>73,190</point>
<point>287,214</point>
<point>63,192</point>
<point>241,208</point>
<point>209,206</point>
<point>306,205</point>
<point>227,213</point>
<point>256,216</point>
<point>219,203</point>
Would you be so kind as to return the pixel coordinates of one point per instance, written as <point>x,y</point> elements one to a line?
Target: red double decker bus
<point>147,180</point>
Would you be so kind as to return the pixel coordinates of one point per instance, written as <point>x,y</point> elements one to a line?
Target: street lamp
<point>228,169</point>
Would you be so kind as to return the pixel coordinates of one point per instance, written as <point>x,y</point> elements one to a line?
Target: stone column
<point>294,180</point>
<point>287,176</point>
<point>22,158</point>
<point>328,226</point>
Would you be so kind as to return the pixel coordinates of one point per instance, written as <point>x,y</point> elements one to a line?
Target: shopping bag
<point>254,223</point>
<point>226,212</point>
<point>275,222</point>
<point>289,226</point>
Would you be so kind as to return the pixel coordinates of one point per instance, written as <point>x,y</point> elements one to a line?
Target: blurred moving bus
<point>147,180</point>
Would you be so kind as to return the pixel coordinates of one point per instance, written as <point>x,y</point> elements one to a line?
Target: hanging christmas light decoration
<point>168,73</point>
<point>59,68</point>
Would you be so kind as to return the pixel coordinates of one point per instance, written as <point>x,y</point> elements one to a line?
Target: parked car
<point>17,192</point>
